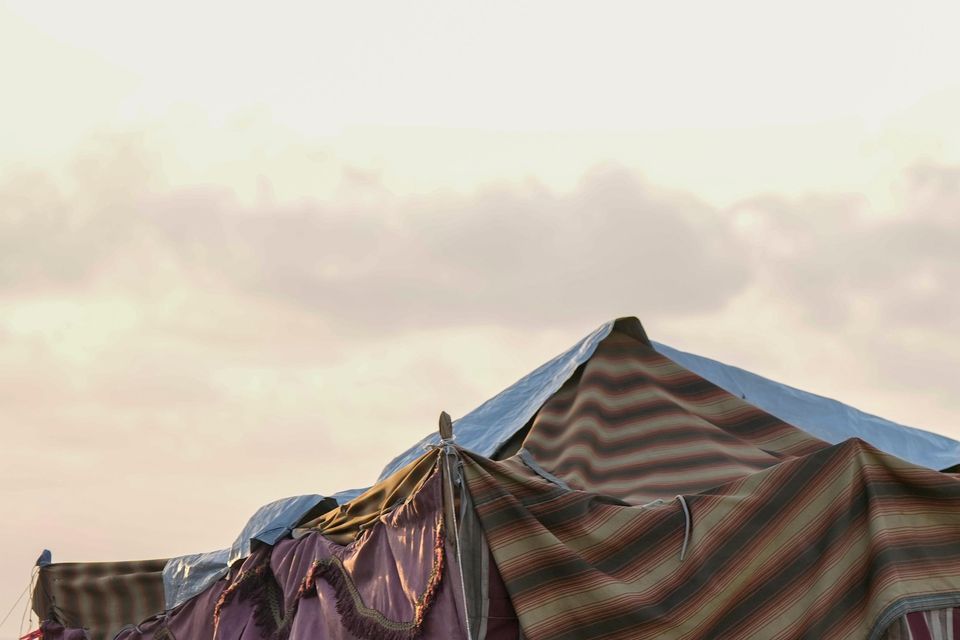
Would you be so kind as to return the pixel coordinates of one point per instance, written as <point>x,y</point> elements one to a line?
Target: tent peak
<point>446,426</point>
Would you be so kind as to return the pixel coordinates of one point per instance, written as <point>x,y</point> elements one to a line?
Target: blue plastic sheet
<point>825,418</point>
<point>187,576</point>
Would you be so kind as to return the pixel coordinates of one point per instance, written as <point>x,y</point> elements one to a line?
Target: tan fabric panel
<point>343,524</point>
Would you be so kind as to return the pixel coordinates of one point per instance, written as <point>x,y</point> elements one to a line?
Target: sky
<point>252,252</point>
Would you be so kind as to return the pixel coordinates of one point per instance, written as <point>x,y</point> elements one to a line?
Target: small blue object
<point>45,558</point>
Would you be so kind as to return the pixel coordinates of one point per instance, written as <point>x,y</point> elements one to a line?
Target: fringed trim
<point>368,623</point>
<point>245,585</point>
<point>275,620</point>
<point>259,585</point>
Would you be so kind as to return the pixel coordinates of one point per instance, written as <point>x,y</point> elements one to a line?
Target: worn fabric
<point>634,424</point>
<point>834,544</point>
<point>939,624</point>
<point>50,630</point>
<point>99,596</point>
<point>394,582</point>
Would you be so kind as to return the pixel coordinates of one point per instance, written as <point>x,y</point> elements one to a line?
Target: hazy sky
<point>252,253</point>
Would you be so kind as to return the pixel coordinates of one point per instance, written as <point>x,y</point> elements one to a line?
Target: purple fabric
<point>54,631</point>
<point>502,623</point>
<point>389,565</point>
<point>192,620</point>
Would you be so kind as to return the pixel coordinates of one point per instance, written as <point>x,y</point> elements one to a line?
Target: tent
<point>622,490</point>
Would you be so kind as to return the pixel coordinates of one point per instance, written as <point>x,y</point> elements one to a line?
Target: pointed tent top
<point>488,427</point>
<point>446,426</point>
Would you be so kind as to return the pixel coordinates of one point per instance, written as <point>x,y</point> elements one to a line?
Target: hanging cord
<point>528,460</point>
<point>687,527</point>
<point>28,589</point>
<point>14,606</point>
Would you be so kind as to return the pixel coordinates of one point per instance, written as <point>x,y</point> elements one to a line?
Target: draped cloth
<point>836,544</point>
<point>101,596</point>
<point>397,580</point>
<point>392,582</point>
<point>636,425</point>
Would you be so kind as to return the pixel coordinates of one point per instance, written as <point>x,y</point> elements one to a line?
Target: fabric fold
<point>819,546</point>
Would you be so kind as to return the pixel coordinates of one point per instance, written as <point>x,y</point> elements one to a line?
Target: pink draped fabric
<point>397,580</point>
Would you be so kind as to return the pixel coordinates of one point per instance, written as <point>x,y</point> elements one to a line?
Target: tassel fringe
<point>259,585</point>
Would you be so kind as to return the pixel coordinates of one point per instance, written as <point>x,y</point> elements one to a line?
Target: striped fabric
<point>782,535</point>
<point>940,624</point>
<point>829,545</point>
<point>101,596</point>
<point>635,425</point>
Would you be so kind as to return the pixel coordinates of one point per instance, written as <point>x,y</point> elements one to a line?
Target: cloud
<point>200,269</point>
<point>157,339</point>
<point>506,254</point>
<point>883,282</point>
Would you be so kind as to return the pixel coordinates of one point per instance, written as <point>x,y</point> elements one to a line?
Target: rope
<point>23,593</point>
<point>27,607</point>
<point>446,444</point>
<point>27,589</point>
<point>528,460</point>
<point>687,528</point>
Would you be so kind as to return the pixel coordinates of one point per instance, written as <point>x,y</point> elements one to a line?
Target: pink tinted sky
<point>252,254</point>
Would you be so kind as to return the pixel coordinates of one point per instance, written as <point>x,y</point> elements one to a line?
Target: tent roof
<point>488,427</point>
